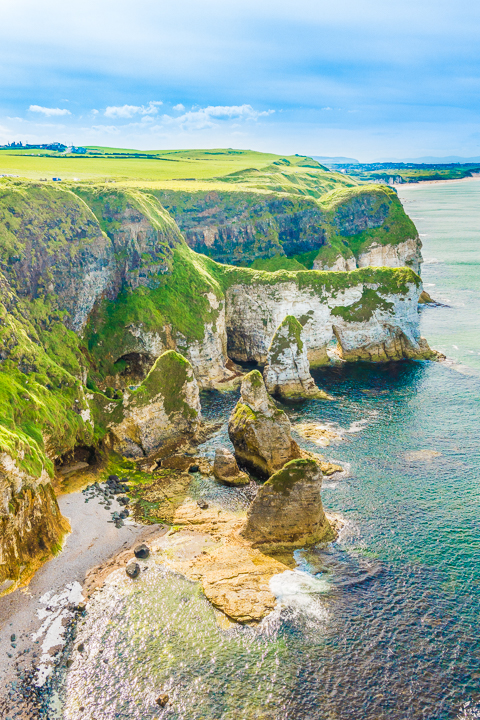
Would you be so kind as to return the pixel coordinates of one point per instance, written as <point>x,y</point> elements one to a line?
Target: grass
<point>125,165</point>
<point>277,262</point>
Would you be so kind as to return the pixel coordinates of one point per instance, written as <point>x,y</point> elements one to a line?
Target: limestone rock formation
<point>162,412</point>
<point>287,372</point>
<point>226,470</point>
<point>260,432</point>
<point>338,264</point>
<point>337,305</point>
<point>31,524</point>
<point>287,509</point>
<point>377,254</point>
<point>407,253</point>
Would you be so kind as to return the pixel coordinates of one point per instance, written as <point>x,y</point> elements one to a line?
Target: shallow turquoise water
<point>382,623</point>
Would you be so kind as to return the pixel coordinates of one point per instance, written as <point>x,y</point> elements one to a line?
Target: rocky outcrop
<point>259,430</point>
<point>287,509</point>
<point>162,412</point>
<point>364,332</point>
<point>31,525</point>
<point>234,576</point>
<point>357,313</point>
<point>287,372</point>
<point>407,253</point>
<point>226,470</point>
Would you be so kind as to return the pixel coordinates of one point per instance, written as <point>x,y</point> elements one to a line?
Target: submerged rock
<point>287,372</point>
<point>226,470</point>
<point>162,412</point>
<point>259,430</point>
<point>287,509</point>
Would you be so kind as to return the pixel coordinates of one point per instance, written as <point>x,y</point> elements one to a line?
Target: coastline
<point>437,182</point>
<point>91,542</point>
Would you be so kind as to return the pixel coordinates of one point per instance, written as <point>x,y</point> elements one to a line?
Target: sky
<point>367,79</point>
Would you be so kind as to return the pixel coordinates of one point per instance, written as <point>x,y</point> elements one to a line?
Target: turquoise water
<point>382,623</point>
<point>447,216</point>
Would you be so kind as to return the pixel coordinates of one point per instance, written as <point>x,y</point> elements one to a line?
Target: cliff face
<point>55,249</point>
<point>238,227</point>
<point>404,254</point>
<point>334,231</point>
<point>360,311</point>
<point>96,284</point>
<point>371,230</point>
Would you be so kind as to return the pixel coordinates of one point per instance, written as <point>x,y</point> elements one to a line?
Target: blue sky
<point>361,78</point>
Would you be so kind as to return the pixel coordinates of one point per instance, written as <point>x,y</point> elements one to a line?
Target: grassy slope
<point>187,169</point>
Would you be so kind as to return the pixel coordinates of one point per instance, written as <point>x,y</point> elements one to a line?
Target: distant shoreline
<point>437,182</point>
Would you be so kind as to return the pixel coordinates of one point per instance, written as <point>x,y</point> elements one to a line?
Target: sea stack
<point>287,509</point>
<point>259,430</point>
<point>287,371</point>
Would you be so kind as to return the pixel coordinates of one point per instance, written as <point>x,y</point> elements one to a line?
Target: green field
<point>180,169</point>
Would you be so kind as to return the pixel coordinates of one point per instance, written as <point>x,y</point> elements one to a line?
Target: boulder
<point>226,470</point>
<point>287,509</point>
<point>142,551</point>
<point>287,371</point>
<point>133,570</point>
<point>259,430</point>
<point>162,412</point>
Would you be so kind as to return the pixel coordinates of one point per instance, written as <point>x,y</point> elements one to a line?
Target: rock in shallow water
<point>226,470</point>
<point>287,509</point>
<point>287,371</point>
<point>259,430</point>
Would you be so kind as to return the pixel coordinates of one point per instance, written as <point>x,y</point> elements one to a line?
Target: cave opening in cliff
<point>77,459</point>
<point>133,367</point>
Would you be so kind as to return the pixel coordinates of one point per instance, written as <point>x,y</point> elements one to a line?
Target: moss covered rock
<point>162,412</point>
<point>287,371</point>
<point>260,432</point>
<point>287,509</point>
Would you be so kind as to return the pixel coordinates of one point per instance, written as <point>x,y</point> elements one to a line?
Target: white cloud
<point>104,129</point>
<point>179,107</point>
<point>49,111</point>
<point>128,111</point>
<point>201,118</point>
